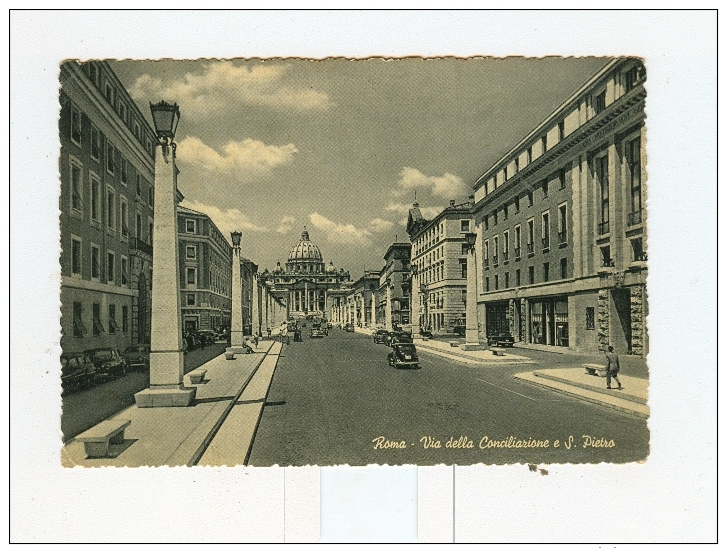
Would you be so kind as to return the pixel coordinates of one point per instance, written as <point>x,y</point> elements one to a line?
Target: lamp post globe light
<point>237,337</point>
<point>472,340</point>
<point>166,361</point>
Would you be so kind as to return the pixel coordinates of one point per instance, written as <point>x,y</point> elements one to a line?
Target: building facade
<point>205,268</point>
<point>106,210</point>
<point>439,255</point>
<point>561,223</point>
<point>306,280</point>
<point>392,302</point>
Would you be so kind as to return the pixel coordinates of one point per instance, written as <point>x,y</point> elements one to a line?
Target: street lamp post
<point>237,338</point>
<point>414,306</point>
<point>166,361</point>
<point>472,339</point>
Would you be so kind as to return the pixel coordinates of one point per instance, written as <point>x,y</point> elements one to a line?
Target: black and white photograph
<point>274,261</point>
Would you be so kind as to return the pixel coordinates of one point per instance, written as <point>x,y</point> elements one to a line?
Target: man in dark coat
<point>613,368</point>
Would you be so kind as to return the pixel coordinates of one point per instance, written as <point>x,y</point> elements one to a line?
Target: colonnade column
<point>255,306</point>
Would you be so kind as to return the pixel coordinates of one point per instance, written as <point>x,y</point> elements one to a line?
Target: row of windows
<point>88,137</point>
<point>105,206</point>
<point>434,234</point>
<point>108,89</point>
<point>505,282</point>
<point>98,326</point>
<point>106,269</point>
<point>595,103</point>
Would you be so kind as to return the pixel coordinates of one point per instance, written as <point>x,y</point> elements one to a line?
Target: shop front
<point>549,321</point>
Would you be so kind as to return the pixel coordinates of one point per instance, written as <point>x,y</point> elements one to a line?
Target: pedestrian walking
<point>613,368</point>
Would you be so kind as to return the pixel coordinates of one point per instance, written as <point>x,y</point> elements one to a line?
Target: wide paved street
<point>85,408</point>
<point>332,397</point>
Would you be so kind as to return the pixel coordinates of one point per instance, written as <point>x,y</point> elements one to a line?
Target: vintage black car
<point>403,355</point>
<point>501,339</point>
<point>348,327</point>
<point>380,336</point>
<point>77,371</point>
<point>107,362</point>
<point>137,355</point>
<point>396,337</point>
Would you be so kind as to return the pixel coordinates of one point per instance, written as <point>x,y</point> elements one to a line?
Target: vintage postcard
<point>294,262</point>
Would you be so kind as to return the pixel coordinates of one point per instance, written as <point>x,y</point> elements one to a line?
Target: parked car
<point>348,327</point>
<point>206,336</point>
<point>316,334</point>
<point>501,339</point>
<point>77,371</point>
<point>380,336</point>
<point>137,355</point>
<point>403,355</point>
<point>426,333</point>
<point>222,338</point>
<point>396,337</point>
<point>459,326</point>
<point>107,361</point>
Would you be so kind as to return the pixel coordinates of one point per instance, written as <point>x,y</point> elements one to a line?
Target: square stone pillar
<point>256,331</point>
<point>237,339</point>
<point>472,337</point>
<point>166,361</point>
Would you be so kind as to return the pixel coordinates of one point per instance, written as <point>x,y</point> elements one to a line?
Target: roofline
<point>575,96</point>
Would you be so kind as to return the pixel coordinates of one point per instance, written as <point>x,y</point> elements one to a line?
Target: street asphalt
<point>83,409</point>
<point>337,401</point>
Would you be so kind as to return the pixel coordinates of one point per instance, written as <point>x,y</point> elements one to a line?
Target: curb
<point>584,394</point>
<point>197,455</point>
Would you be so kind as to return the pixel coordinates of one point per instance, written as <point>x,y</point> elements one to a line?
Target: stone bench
<point>96,440</point>
<point>197,376</point>
<point>596,369</point>
<point>498,351</point>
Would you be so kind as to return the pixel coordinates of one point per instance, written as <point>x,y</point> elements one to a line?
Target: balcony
<point>634,218</point>
<point>495,260</point>
<point>531,249</point>
<point>505,256</point>
<point>603,228</point>
<point>546,244</point>
<point>135,244</point>
<point>562,238</point>
<point>517,253</point>
<point>486,262</point>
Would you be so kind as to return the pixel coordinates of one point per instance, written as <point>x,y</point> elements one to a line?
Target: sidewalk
<point>178,436</point>
<point>577,383</point>
<point>442,347</point>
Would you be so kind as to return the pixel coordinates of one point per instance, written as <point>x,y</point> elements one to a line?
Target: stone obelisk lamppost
<point>237,339</point>
<point>166,361</point>
<point>472,340</point>
<point>414,306</point>
<point>256,330</point>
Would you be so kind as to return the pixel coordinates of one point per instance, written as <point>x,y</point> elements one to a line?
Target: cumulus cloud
<point>286,225</point>
<point>340,233</point>
<point>227,220</point>
<point>225,84</point>
<point>240,158</point>
<point>447,186</point>
<point>380,225</point>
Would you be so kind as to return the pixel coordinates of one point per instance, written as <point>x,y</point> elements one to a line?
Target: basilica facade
<point>306,281</point>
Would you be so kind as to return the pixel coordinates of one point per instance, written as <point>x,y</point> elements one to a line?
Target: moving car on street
<point>77,371</point>
<point>107,361</point>
<point>316,334</point>
<point>348,327</point>
<point>137,355</point>
<point>380,336</point>
<point>403,355</point>
<point>396,337</point>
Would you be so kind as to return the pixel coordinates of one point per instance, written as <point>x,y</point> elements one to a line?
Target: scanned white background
<point>670,498</point>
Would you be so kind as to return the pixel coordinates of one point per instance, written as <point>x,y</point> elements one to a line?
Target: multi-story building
<point>205,266</point>
<point>106,210</point>
<point>561,223</point>
<point>439,252</point>
<point>306,280</point>
<point>362,298</point>
<point>394,286</point>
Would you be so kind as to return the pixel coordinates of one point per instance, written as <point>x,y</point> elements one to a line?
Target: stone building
<point>392,302</point>
<point>205,258</point>
<point>305,281</point>
<point>561,223</point>
<point>106,207</point>
<point>439,255</point>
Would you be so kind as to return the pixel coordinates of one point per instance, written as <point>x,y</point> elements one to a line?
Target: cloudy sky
<point>340,145</point>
